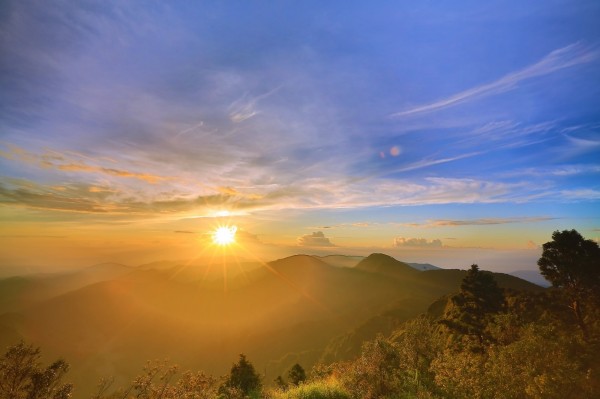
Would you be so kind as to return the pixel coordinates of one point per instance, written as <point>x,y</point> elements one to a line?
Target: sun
<point>224,235</point>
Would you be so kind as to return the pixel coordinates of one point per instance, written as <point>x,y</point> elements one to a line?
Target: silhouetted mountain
<point>20,292</point>
<point>341,260</point>
<point>385,265</point>
<point>195,271</point>
<point>432,287</point>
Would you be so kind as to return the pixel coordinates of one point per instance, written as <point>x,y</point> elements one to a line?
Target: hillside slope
<point>278,313</point>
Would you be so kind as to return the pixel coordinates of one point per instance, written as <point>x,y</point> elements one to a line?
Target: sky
<point>442,132</point>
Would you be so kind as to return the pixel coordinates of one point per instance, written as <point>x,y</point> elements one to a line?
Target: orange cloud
<point>152,179</point>
<point>235,193</point>
<point>54,160</point>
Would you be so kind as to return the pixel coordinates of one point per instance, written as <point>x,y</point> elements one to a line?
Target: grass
<point>314,390</point>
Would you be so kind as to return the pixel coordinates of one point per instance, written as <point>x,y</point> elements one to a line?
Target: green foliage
<point>296,375</point>
<point>418,343</point>
<point>376,373</point>
<point>458,374</point>
<point>242,379</point>
<point>478,299</point>
<point>537,365</point>
<point>323,389</point>
<point>572,264</point>
<point>22,378</point>
<point>569,261</point>
<point>526,345</point>
<point>158,381</point>
<point>280,383</point>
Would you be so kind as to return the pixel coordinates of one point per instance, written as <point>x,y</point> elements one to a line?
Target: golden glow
<point>224,235</point>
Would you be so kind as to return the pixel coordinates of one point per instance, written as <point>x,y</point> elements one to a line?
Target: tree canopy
<point>572,263</point>
<point>297,374</point>
<point>243,377</point>
<point>479,297</point>
<point>22,376</point>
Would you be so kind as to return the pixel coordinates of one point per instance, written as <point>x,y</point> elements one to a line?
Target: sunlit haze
<point>293,199</point>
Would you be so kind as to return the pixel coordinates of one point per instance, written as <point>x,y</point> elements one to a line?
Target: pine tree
<point>478,299</point>
<point>297,374</point>
<point>243,377</point>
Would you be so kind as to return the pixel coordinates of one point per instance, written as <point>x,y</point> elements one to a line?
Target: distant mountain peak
<point>380,256</point>
<point>385,264</point>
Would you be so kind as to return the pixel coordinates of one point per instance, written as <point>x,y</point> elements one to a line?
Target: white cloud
<point>316,239</point>
<point>568,56</point>
<point>244,108</point>
<point>581,194</point>
<point>417,242</point>
<point>565,170</point>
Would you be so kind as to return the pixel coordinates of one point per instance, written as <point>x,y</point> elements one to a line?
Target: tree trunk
<point>576,306</point>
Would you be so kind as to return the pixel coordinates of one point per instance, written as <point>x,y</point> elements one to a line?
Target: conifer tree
<point>243,377</point>
<point>478,299</point>
<point>297,375</point>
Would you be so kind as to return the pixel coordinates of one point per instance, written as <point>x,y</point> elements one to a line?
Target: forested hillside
<point>415,334</point>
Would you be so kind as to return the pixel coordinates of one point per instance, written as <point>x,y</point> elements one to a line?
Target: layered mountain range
<point>108,320</point>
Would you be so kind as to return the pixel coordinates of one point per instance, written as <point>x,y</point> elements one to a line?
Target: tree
<point>281,384</point>
<point>158,381</point>
<point>418,343</point>
<point>376,373</point>
<point>21,375</point>
<point>479,298</point>
<point>242,377</point>
<point>572,264</point>
<point>297,374</point>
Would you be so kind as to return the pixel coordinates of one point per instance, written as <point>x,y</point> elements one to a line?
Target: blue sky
<point>377,124</point>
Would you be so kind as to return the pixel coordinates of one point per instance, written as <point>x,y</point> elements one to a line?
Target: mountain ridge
<point>290,308</point>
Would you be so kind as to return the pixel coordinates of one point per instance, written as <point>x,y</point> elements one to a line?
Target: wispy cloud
<point>361,225</point>
<point>149,178</point>
<point>82,198</point>
<point>245,108</point>
<point>46,199</point>
<point>417,165</point>
<point>277,128</point>
<point>509,134</point>
<point>582,194</point>
<point>565,57</point>
<point>417,242</point>
<point>584,144</point>
<point>560,171</point>
<point>431,162</point>
<point>484,221</point>
<point>63,162</point>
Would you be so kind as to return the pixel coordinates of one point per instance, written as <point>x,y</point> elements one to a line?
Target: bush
<point>314,390</point>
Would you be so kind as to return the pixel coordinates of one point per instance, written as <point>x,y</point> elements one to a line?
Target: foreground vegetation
<point>484,342</point>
